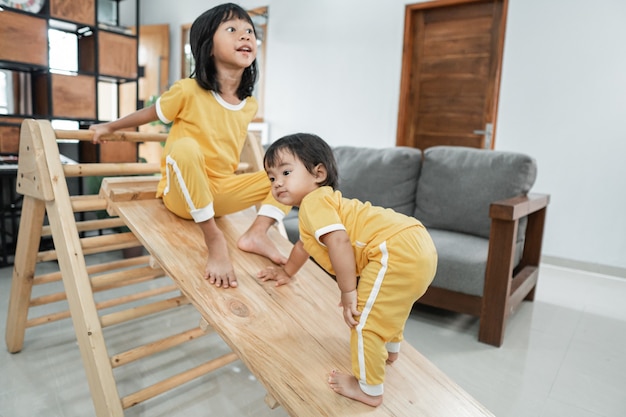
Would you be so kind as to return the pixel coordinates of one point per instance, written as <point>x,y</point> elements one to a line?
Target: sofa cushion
<point>457,185</point>
<point>290,222</point>
<point>385,177</point>
<point>461,261</point>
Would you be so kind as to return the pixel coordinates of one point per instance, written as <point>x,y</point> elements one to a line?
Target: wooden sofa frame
<point>506,285</point>
<point>287,336</point>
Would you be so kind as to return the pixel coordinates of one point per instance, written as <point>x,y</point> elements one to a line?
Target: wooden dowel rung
<point>118,264</point>
<point>97,244</point>
<point>119,136</point>
<point>148,308</point>
<point>90,202</point>
<point>47,278</point>
<point>47,299</point>
<point>105,282</point>
<point>49,318</point>
<point>177,380</point>
<point>108,240</point>
<point>110,169</point>
<point>108,223</point>
<point>156,347</point>
<point>110,280</point>
<point>130,281</point>
<point>48,255</point>
<point>89,225</point>
<point>144,310</point>
<point>131,242</point>
<point>94,269</point>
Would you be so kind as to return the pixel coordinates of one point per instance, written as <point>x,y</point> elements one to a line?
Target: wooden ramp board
<point>291,336</point>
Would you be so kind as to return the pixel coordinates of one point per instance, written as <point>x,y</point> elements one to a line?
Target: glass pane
<point>6,107</point>
<point>107,12</point>
<point>107,101</point>
<point>63,50</point>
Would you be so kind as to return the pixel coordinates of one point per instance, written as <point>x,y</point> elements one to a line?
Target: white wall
<point>563,100</point>
<point>333,68</point>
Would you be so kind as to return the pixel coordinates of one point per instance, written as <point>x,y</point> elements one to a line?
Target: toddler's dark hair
<point>201,41</point>
<point>308,148</point>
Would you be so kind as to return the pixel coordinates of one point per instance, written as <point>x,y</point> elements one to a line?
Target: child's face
<point>234,44</point>
<point>291,181</point>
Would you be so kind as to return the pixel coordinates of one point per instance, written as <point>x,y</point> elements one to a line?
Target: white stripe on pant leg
<point>183,187</point>
<point>368,308</point>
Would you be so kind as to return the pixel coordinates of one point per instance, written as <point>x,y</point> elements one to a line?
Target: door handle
<point>488,133</point>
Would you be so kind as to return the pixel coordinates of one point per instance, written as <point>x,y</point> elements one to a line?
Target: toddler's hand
<point>349,303</point>
<point>274,273</point>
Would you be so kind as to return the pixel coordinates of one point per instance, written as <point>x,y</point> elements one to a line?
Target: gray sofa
<point>476,205</point>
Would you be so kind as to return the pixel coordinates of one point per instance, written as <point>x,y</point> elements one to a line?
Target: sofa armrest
<point>506,284</point>
<point>517,207</point>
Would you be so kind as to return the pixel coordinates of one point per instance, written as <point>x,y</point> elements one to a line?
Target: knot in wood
<point>239,309</point>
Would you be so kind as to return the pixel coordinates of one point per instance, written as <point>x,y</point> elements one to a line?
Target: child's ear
<point>320,173</point>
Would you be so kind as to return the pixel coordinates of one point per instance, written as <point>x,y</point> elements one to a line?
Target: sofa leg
<point>495,300</point>
<point>491,329</point>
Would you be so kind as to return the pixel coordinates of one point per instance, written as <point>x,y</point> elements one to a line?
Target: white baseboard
<point>585,266</point>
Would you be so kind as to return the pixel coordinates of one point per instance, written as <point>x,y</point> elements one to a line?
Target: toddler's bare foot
<point>391,357</point>
<point>348,386</point>
<point>259,242</point>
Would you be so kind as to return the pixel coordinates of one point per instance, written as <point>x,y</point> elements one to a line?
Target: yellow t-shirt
<point>219,127</point>
<point>324,210</point>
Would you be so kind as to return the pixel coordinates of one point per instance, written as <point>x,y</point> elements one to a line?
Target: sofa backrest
<point>457,185</point>
<point>385,177</point>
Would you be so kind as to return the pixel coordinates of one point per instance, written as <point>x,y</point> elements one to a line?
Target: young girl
<point>383,261</point>
<point>210,112</point>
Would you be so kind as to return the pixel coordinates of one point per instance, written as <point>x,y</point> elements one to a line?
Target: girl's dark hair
<point>201,41</point>
<point>308,148</point>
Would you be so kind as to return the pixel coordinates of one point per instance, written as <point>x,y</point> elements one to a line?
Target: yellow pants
<point>191,194</point>
<point>397,274</point>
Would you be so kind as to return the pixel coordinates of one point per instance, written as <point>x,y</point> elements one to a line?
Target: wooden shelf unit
<point>106,65</point>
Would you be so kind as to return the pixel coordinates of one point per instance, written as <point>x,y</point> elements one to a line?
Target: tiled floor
<point>563,355</point>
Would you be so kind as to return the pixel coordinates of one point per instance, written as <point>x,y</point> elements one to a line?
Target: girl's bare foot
<point>391,357</point>
<point>348,386</point>
<point>220,272</point>
<point>260,243</point>
<point>219,269</point>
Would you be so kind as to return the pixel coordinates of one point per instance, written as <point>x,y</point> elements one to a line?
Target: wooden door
<point>154,57</point>
<point>451,73</point>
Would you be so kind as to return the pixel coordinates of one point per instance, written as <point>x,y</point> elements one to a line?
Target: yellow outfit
<point>396,260</point>
<point>202,152</point>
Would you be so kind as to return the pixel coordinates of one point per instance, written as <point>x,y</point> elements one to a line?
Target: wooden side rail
<point>297,326</point>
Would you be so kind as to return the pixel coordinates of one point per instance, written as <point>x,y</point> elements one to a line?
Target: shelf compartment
<point>23,38</point>
<point>73,96</point>
<point>83,11</point>
<point>117,55</point>
<point>10,135</point>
